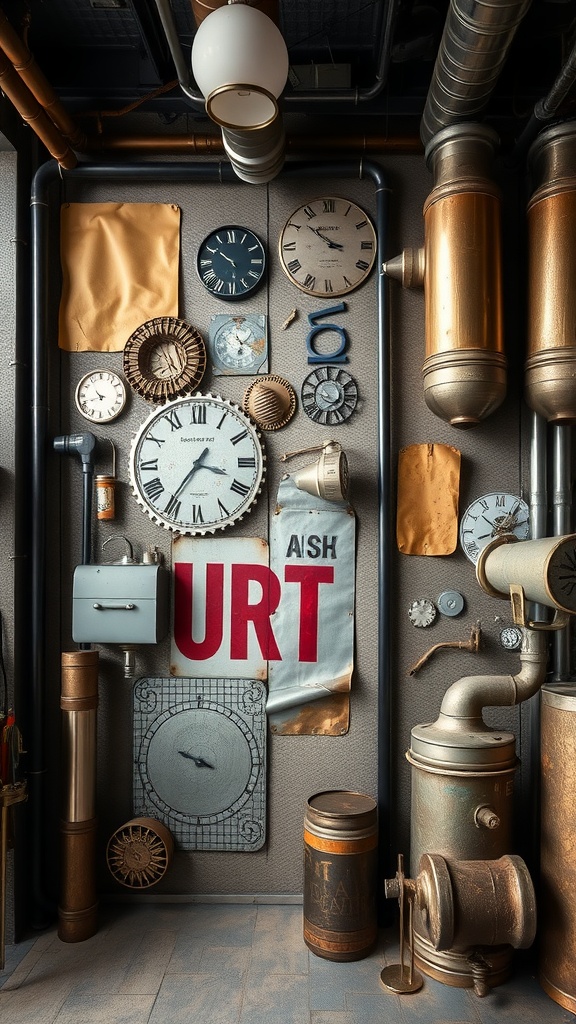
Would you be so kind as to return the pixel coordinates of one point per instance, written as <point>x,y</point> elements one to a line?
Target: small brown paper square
<point>427,506</point>
<point>120,264</point>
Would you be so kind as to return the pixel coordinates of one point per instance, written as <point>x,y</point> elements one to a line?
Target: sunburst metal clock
<point>200,760</point>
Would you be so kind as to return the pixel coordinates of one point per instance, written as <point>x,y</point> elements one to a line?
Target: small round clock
<point>197,464</point>
<point>164,358</point>
<point>329,395</point>
<point>238,344</point>
<point>231,262</point>
<point>493,515</point>
<point>328,247</point>
<point>100,396</point>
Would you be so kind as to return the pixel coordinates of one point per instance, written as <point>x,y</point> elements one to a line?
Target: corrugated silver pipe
<point>474,46</point>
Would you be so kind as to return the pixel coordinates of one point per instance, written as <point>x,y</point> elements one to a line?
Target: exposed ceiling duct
<point>474,46</point>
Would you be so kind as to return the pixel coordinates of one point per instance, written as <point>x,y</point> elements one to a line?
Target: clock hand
<point>195,466</point>
<point>198,761</point>
<point>330,243</point>
<point>214,469</point>
<point>225,257</point>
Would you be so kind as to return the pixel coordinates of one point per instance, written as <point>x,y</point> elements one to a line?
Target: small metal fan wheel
<point>139,853</point>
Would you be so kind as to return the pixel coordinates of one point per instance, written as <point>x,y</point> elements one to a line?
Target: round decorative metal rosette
<point>164,358</point>
<point>139,853</point>
<point>270,401</point>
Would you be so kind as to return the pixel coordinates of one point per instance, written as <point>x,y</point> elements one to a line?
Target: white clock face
<point>493,515</point>
<point>238,344</point>
<point>100,396</point>
<point>197,464</point>
<point>328,247</point>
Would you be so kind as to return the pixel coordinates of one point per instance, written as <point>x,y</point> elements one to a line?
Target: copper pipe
<point>551,321</point>
<point>31,112</point>
<point>26,67</point>
<point>77,912</point>
<point>464,371</point>
<point>202,145</point>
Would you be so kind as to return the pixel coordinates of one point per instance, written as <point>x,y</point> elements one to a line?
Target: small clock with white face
<point>490,516</point>
<point>238,344</point>
<point>100,396</point>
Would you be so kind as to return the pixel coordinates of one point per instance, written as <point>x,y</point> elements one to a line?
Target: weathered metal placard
<point>220,609</point>
<point>312,550</point>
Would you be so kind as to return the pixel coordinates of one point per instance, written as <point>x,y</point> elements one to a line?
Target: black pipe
<point>48,175</point>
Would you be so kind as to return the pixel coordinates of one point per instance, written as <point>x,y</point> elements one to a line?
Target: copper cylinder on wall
<point>557,904</point>
<point>551,357</point>
<point>202,10</point>
<point>77,911</point>
<point>340,850</point>
<point>465,368</point>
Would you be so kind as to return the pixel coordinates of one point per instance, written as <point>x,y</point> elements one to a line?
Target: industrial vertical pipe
<point>78,909</point>
<point>551,358</point>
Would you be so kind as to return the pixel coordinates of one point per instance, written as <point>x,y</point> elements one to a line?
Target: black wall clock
<point>231,262</point>
<point>200,760</point>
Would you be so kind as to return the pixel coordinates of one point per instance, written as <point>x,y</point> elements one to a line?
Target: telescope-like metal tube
<point>77,912</point>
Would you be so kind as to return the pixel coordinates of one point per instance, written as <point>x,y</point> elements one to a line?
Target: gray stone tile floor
<point>159,963</point>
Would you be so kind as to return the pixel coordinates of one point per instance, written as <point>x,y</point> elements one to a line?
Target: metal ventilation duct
<point>474,45</point>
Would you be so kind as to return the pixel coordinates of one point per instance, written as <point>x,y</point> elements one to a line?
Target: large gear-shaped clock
<point>200,760</point>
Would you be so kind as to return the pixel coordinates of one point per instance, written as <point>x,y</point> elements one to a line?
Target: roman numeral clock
<point>197,464</point>
<point>328,247</point>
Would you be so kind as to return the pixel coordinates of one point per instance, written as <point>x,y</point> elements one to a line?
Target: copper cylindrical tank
<point>462,802</point>
<point>465,368</point>
<point>78,908</point>
<point>340,850</point>
<point>557,905</point>
<point>551,357</point>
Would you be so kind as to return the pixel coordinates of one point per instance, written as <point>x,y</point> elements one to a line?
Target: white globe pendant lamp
<point>240,64</point>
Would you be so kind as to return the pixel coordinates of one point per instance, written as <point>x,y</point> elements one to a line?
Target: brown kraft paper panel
<point>427,508</point>
<point>120,264</point>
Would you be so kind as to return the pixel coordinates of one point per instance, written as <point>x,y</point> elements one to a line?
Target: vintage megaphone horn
<point>326,478</point>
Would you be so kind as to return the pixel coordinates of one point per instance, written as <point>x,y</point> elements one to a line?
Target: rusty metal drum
<point>340,854</point>
<point>557,905</point>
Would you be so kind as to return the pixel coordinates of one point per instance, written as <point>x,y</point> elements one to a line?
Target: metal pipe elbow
<point>467,697</point>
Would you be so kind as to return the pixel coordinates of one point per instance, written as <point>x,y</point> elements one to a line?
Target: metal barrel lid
<point>341,811</point>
